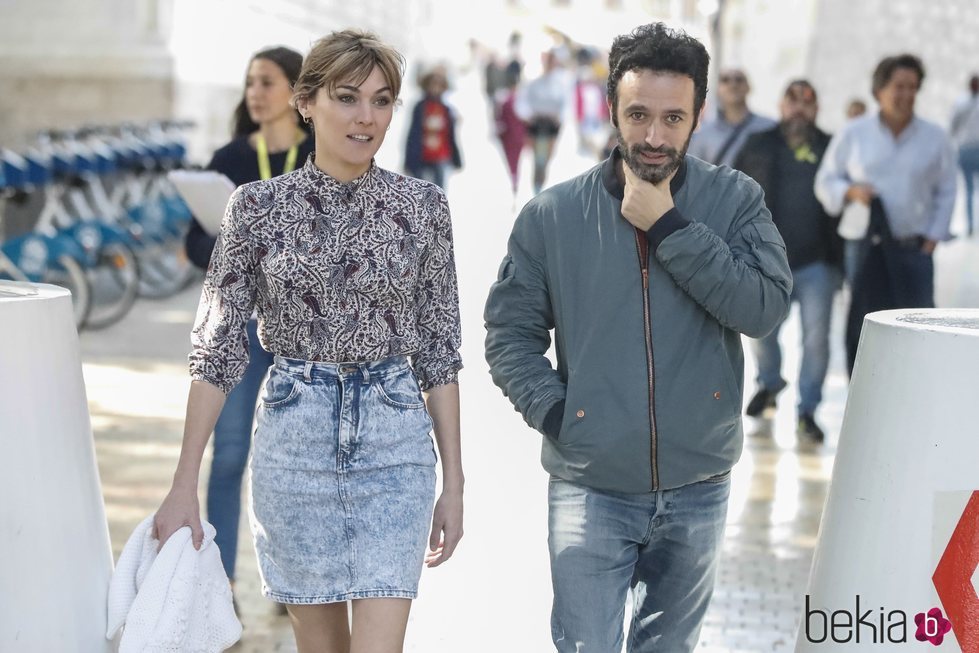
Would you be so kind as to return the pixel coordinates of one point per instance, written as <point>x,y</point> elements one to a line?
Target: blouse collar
<point>323,181</point>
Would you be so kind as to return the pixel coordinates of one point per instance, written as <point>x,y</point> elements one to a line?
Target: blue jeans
<point>232,438</point>
<point>663,545</point>
<point>969,163</point>
<point>813,286</point>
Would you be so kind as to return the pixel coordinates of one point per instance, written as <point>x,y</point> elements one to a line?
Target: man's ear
<point>611,114</point>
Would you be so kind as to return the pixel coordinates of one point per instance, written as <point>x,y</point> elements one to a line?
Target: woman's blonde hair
<point>348,56</point>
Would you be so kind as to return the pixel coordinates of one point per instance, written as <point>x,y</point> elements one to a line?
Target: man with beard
<point>783,161</point>
<point>648,268</point>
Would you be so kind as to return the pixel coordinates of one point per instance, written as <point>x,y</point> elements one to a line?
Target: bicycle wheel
<point>115,285</point>
<point>72,276</point>
<point>164,270</point>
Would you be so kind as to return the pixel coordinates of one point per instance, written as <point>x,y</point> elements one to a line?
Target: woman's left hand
<point>446,528</point>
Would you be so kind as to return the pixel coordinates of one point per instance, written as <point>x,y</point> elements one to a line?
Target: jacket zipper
<point>642,246</point>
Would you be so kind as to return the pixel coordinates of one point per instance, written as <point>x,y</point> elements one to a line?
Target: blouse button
<point>580,414</point>
<point>717,395</point>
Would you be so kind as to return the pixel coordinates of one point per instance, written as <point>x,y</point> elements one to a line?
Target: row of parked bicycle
<point>110,226</point>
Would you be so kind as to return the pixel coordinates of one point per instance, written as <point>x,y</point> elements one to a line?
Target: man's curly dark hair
<point>658,48</point>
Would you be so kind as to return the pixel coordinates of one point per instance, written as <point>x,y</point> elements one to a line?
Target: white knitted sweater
<point>177,601</point>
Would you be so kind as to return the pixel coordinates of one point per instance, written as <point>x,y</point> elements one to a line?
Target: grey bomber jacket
<point>636,403</point>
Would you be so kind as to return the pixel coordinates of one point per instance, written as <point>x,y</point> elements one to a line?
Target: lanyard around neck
<point>264,167</point>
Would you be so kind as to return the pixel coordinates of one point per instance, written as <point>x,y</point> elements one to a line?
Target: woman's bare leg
<point>320,628</point>
<point>379,625</point>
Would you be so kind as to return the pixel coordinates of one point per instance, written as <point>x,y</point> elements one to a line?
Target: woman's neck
<point>342,172</point>
<point>280,134</point>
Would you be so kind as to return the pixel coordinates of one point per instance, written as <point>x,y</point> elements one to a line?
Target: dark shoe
<point>807,429</point>
<point>763,400</point>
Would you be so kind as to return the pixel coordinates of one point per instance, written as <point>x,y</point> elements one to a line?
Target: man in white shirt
<point>906,162</point>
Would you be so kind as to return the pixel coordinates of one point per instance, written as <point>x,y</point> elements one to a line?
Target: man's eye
<point>637,115</point>
<point>673,119</point>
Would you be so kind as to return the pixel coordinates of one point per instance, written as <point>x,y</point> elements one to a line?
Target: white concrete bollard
<point>55,556</point>
<point>898,544</point>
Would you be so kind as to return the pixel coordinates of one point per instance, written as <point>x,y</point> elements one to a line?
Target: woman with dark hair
<point>269,139</point>
<point>352,272</point>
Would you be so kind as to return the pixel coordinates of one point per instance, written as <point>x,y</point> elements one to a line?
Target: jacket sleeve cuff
<point>552,422</point>
<point>671,222</point>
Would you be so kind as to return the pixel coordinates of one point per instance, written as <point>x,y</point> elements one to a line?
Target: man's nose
<point>654,135</point>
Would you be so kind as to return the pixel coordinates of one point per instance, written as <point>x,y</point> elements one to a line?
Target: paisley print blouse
<point>339,272</point>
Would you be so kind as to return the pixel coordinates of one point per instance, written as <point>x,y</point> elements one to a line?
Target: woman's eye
<point>382,101</point>
<point>347,99</point>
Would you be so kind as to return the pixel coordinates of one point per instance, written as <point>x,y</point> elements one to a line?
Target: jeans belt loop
<point>308,372</point>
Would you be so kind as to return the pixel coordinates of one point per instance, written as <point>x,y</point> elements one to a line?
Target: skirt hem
<point>292,599</point>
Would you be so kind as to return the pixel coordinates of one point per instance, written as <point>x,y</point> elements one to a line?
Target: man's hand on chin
<point>644,203</point>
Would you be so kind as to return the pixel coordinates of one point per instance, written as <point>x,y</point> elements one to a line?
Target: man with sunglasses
<point>720,139</point>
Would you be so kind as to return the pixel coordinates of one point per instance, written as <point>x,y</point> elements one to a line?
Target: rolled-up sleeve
<point>219,340</point>
<point>437,361</point>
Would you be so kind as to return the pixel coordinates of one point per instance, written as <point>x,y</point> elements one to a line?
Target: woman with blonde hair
<point>351,270</point>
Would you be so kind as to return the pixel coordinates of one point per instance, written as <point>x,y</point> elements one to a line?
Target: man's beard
<point>796,130</point>
<point>654,174</point>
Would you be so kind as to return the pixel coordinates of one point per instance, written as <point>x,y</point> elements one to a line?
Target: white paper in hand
<point>855,221</point>
<point>206,193</point>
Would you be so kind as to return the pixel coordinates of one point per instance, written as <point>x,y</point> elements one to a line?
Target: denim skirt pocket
<point>401,390</point>
<point>280,389</point>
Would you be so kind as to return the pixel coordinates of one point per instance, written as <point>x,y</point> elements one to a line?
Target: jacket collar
<point>615,188</point>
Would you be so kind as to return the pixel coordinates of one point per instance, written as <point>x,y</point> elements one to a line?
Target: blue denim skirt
<point>342,481</point>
